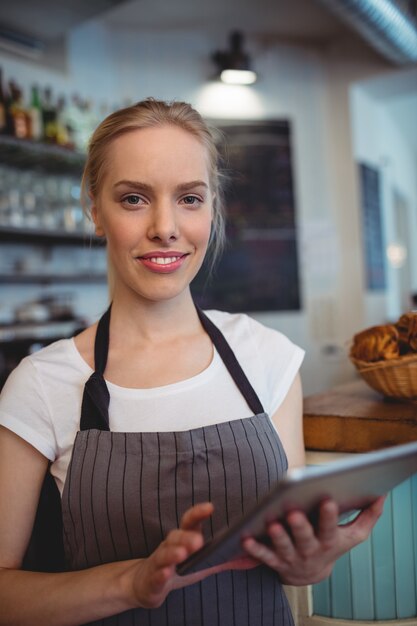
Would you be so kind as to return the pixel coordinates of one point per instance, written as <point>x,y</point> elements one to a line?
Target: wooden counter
<point>355,418</point>
<point>376,581</point>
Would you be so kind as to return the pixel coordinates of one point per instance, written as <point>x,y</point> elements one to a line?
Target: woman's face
<point>155,210</point>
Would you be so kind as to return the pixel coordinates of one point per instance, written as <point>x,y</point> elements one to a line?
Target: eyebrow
<point>136,184</point>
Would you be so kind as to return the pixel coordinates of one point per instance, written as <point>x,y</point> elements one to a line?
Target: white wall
<point>306,86</point>
<point>381,142</point>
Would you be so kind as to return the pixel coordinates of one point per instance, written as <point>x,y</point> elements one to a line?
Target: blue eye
<point>132,199</point>
<point>191,200</point>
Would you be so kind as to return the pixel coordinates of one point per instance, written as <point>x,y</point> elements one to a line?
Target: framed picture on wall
<point>373,238</point>
<point>259,267</point>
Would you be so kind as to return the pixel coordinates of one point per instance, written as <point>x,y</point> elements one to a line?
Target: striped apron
<point>125,491</point>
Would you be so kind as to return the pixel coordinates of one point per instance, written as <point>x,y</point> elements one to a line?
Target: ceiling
<point>271,21</point>
<point>48,20</point>
<point>294,18</point>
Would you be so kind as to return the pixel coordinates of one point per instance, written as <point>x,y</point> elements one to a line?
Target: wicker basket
<point>394,378</point>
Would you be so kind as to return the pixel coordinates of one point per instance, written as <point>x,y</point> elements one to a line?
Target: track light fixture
<point>233,65</point>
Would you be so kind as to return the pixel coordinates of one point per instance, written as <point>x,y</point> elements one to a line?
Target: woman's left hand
<point>303,554</point>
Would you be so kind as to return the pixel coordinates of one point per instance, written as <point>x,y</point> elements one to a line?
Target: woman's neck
<point>153,344</point>
<point>154,321</point>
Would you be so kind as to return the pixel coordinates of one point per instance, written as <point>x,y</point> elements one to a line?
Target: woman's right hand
<point>156,576</point>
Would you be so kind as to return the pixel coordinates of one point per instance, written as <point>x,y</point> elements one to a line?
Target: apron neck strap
<point>101,344</point>
<point>96,397</point>
<point>232,364</point>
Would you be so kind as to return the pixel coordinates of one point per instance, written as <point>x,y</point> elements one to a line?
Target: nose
<point>163,226</point>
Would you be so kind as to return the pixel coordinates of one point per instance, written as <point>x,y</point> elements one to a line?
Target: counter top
<point>354,418</point>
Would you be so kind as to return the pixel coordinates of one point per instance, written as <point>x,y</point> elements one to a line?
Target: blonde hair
<point>147,114</point>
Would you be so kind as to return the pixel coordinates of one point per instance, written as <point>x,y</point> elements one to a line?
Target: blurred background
<point>321,151</point>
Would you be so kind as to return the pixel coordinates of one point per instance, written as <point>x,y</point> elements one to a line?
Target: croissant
<point>407,330</point>
<point>376,343</point>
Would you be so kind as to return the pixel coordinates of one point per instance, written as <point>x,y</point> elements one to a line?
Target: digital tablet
<point>354,483</point>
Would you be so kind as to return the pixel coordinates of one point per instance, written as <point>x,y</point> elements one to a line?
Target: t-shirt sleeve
<point>281,360</point>
<point>24,409</point>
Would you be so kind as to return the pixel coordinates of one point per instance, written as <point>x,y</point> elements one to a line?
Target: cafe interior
<point>316,104</point>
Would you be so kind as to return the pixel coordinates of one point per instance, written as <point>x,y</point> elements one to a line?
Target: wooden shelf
<point>34,235</point>
<point>26,279</point>
<point>26,154</point>
<point>51,329</point>
<point>48,159</point>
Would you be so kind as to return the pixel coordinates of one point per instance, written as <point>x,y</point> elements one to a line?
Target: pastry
<point>407,330</point>
<point>376,343</point>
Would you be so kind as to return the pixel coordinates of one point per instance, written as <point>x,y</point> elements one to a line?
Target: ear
<point>99,231</point>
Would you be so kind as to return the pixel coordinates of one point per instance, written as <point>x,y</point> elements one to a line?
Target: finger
<point>191,540</point>
<point>192,519</point>
<point>377,507</point>
<point>260,552</point>
<point>244,562</point>
<point>169,555</point>
<point>304,540</point>
<point>283,545</point>
<point>161,576</point>
<point>362,525</point>
<point>328,522</point>
<point>359,529</point>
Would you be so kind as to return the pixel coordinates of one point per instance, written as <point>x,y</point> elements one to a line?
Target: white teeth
<point>164,260</point>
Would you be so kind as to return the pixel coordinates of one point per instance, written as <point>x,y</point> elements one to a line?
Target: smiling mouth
<point>161,260</point>
<point>163,263</point>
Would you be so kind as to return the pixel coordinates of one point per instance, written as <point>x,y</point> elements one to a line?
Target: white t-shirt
<point>41,400</point>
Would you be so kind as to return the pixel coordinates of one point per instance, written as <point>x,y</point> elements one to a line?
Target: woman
<point>176,426</point>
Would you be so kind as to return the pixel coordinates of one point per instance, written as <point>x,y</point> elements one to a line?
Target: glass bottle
<point>18,114</point>
<point>35,114</point>
<point>49,115</point>
<point>62,134</point>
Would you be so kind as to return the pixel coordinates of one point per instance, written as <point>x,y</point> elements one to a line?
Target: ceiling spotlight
<point>233,65</point>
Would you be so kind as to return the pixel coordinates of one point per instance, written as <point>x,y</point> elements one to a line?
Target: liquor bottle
<point>90,122</point>
<point>65,123</point>
<point>9,129</point>
<point>18,113</point>
<point>62,132</point>
<point>48,116</point>
<point>35,114</point>
<point>69,115</point>
<point>74,121</point>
